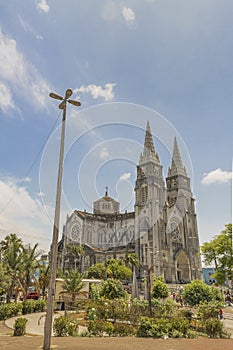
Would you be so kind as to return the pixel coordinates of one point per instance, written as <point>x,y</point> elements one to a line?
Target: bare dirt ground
<point>34,343</point>
<point>9,342</point>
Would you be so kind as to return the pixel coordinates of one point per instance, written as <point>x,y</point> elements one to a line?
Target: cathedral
<point>162,229</point>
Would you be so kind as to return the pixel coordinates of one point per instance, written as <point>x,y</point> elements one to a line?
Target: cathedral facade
<point>162,230</point>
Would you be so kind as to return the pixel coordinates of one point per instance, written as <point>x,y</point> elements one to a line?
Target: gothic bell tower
<point>149,203</point>
<point>181,230</point>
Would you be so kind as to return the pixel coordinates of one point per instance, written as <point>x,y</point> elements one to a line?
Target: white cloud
<point>125,176</point>
<point>104,153</point>
<point>216,176</point>
<point>42,6</point>
<point>20,74</point>
<point>128,14</point>
<point>6,100</point>
<point>24,215</point>
<point>98,91</point>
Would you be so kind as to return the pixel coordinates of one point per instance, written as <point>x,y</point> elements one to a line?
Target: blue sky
<point>166,61</point>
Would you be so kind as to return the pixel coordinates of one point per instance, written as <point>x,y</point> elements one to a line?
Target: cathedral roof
<point>106,205</point>
<point>106,198</point>
<point>177,167</point>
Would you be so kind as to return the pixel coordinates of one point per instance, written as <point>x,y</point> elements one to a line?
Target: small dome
<point>106,205</point>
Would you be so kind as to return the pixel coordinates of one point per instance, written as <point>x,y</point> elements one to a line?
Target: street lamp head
<point>57,97</point>
<point>62,104</point>
<point>69,92</point>
<point>75,103</point>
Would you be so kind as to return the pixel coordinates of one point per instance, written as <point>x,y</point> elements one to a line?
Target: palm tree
<point>30,264</point>
<point>76,251</point>
<point>73,283</point>
<point>9,241</point>
<point>11,250</point>
<point>44,275</point>
<point>131,260</point>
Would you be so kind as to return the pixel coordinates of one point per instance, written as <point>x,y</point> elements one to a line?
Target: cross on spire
<point>106,191</point>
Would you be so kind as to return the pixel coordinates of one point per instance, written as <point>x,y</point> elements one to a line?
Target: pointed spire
<point>149,148</point>
<point>177,167</point>
<point>148,143</point>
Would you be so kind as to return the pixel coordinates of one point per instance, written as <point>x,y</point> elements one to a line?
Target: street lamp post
<point>51,289</point>
<point>149,282</point>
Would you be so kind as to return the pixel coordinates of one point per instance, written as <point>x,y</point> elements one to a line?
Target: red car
<point>33,295</point>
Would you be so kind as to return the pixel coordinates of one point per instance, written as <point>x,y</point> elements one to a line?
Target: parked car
<point>33,295</point>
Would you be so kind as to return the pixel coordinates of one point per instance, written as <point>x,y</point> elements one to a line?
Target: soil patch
<point>128,343</point>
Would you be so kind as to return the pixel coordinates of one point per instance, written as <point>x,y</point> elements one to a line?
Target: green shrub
<point>159,288</point>
<point>65,326</point>
<point>179,324</point>
<point>30,306</point>
<point>26,307</point>
<point>20,326</point>
<point>191,334</point>
<point>10,310</point>
<point>39,305</point>
<point>187,314</point>
<point>197,292</point>
<point>100,328</point>
<point>157,330</point>
<point>123,330</point>
<point>176,334</point>
<point>208,311</point>
<point>145,327</point>
<point>112,289</point>
<point>213,328</point>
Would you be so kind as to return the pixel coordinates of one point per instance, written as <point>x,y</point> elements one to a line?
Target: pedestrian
<point>220,314</point>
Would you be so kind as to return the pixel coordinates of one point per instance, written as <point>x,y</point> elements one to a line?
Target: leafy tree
<point>73,283</point>
<point>159,288</point>
<point>219,251</point>
<point>117,269</point>
<point>112,289</point>
<point>111,269</point>
<point>197,292</point>
<point>98,271</point>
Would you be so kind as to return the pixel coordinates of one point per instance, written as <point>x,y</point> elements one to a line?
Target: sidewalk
<point>36,321</point>
<point>35,324</point>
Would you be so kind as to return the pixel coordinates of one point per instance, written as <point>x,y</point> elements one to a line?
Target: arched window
<point>144,194</point>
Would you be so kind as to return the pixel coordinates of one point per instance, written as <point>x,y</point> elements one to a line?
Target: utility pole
<point>53,266</point>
